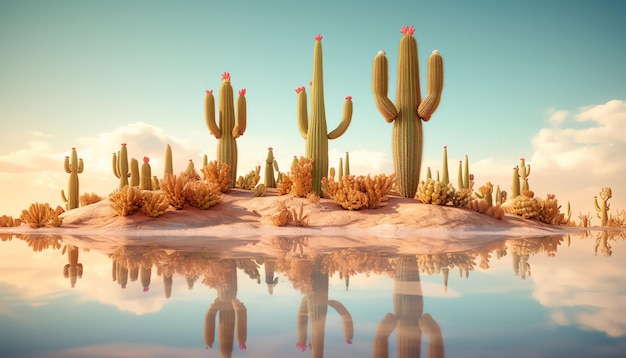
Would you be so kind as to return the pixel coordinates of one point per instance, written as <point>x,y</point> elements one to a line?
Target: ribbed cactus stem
<point>228,130</point>
<point>603,206</point>
<point>340,166</point>
<point>134,172</point>
<point>315,131</point>
<point>460,182</point>
<point>120,166</point>
<point>466,174</point>
<point>146,175</point>
<point>409,110</point>
<point>169,168</point>
<point>429,174</point>
<point>444,174</point>
<point>269,180</point>
<point>515,185</point>
<point>73,166</point>
<point>346,165</point>
<point>524,172</point>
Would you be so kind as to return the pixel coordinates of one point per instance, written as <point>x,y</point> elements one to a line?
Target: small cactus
<point>73,166</point>
<point>146,175</point>
<point>269,180</point>
<point>603,207</point>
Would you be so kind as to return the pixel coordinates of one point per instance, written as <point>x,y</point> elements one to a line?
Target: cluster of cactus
<point>524,205</point>
<point>250,180</point>
<point>431,191</point>
<point>314,131</point>
<point>270,164</point>
<point>436,263</point>
<point>354,193</point>
<point>259,190</point>
<point>41,214</point>
<point>603,207</point>
<point>409,111</point>
<point>228,130</point>
<point>73,166</point>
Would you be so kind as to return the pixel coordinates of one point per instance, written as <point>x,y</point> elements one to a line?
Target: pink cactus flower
<point>310,83</point>
<point>301,346</point>
<point>445,146</point>
<point>73,148</point>
<point>242,346</point>
<point>242,92</point>
<point>270,148</point>
<point>300,89</point>
<point>207,92</point>
<point>226,76</point>
<point>123,144</point>
<point>349,98</point>
<point>318,37</point>
<point>146,159</point>
<point>408,30</point>
<point>66,157</point>
<point>146,289</point>
<point>348,341</point>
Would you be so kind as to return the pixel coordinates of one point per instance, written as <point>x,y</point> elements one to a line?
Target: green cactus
<point>498,195</point>
<point>73,166</point>
<point>228,130</point>
<point>603,209</point>
<point>146,175</point>
<point>444,174</point>
<point>524,172</point>
<point>346,165</point>
<point>429,174</point>
<point>340,166</point>
<point>120,166</point>
<point>268,179</point>
<point>134,172</point>
<point>205,162</point>
<point>315,131</point>
<point>409,111</point>
<point>465,179</point>
<point>515,187</point>
<point>169,168</point>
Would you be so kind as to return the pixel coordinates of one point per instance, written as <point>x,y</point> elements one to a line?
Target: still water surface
<point>558,296</point>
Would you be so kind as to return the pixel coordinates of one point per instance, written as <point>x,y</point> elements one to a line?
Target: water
<point>536,297</point>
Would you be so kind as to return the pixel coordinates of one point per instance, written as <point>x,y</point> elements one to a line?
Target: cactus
<point>409,111</point>
<point>146,175</point>
<point>499,200</point>
<point>444,174</point>
<point>134,172</point>
<point>315,131</point>
<point>73,166</point>
<point>169,168</point>
<point>340,166</point>
<point>268,179</point>
<point>228,130</point>
<point>515,187</point>
<point>346,165</point>
<point>524,172</point>
<point>120,166</point>
<point>603,209</point>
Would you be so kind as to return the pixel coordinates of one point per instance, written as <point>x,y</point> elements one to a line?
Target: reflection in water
<point>408,318</point>
<point>73,269</point>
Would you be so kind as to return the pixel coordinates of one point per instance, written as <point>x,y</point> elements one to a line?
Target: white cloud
<point>557,117</point>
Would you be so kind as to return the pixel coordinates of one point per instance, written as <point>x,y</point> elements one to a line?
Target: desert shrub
<point>126,201</point>
<point>460,198</point>
<point>219,173</point>
<point>550,211</point>
<point>202,195</point>
<point>282,216</point>
<point>301,177</point>
<point>354,193</point>
<point>251,179</point>
<point>40,214</point>
<point>8,221</point>
<point>431,191</point>
<point>313,198</point>
<point>89,198</point>
<point>524,205</point>
<point>283,186</point>
<point>153,204</point>
<point>173,187</point>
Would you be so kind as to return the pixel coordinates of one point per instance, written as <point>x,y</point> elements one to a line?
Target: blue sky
<point>544,80</point>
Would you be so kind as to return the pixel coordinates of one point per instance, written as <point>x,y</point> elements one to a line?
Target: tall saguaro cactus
<point>603,207</point>
<point>120,166</point>
<point>73,166</point>
<point>314,131</point>
<point>410,110</point>
<point>228,130</point>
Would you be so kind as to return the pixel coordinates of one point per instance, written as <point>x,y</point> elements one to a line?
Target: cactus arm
<point>435,87</point>
<point>345,121</point>
<point>209,324</point>
<point>240,127</point>
<point>380,87</point>
<point>81,166</point>
<point>346,320</point>
<point>242,322</point>
<point>66,165</point>
<point>303,117</point>
<point>435,339</point>
<point>303,322</point>
<point>116,171</point>
<point>381,339</point>
<point>209,114</point>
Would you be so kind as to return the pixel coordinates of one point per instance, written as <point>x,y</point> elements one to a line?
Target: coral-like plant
<point>201,194</point>
<point>89,198</point>
<point>430,191</point>
<point>283,216</point>
<point>227,130</point>
<point>126,201</point>
<point>302,177</point>
<point>354,193</point>
<point>409,111</point>
<point>313,198</point>
<point>585,220</point>
<point>9,221</point>
<point>41,214</point>
<point>524,172</point>
<point>219,173</point>
<point>525,205</point>
<point>145,182</point>
<point>314,131</point>
<point>268,178</point>
<point>459,198</point>
<point>173,186</point>
<point>298,218</point>
<point>284,185</point>
<point>120,166</point>
<point>73,166</point>
<point>550,211</point>
<point>484,192</point>
<point>250,180</point>
<point>153,203</point>
<point>603,207</point>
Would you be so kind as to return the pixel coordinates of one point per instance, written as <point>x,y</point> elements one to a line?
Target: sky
<point>543,80</point>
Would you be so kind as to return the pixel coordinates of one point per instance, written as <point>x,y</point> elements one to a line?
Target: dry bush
<point>585,220</point>
<point>89,198</point>
<point>478,205</point>
<point>550,211</point>
<point>8,221</point>
<point>283,215</point>
<point>218,173</point>
<point>297,217</point>
<point>126,201</point>
<point>495,212</point>
<point>174,189</point>
<point>460,198</point>
<point>283,186</point>
<point>525,205</point>
<point>154,204</point>
<point>354,193</point>
<point>202,195</point>
<point>40,214</point>
<point>250,180</point>
<point>301,177</point>
<point>313,198</point>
